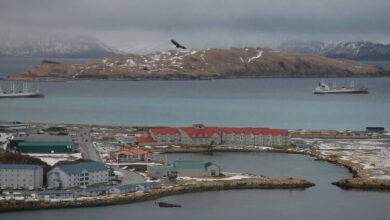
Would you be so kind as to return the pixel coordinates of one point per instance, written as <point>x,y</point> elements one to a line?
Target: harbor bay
<point>285,103</point>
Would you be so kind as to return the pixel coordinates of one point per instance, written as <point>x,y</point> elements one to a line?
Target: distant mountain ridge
<point>203,64</point>
<point>55,46</point>
<point>356,50</point>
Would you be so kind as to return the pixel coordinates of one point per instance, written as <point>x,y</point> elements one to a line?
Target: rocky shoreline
<point>263,183</point>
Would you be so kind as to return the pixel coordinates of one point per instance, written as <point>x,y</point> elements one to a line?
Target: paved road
<point>86,147</point>
<point>129,177</point>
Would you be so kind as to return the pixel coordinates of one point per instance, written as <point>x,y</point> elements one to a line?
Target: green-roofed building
<point>45,147</point>
<point>193,168</point>
<point>42,144</point>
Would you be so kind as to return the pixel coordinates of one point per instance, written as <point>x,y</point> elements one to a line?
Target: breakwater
<point>263,183</point>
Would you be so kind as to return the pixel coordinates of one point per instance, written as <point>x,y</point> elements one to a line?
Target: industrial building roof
<point>149,184</point>
<point>45,138</point>
<point>127,187</point>
<point>96,189</point>
<point>78,168</point>
<point>19,166</point>
<point>22,144</point>
<point>51,192</point>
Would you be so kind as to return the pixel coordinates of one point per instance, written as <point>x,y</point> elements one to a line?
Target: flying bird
<point>177,45</point>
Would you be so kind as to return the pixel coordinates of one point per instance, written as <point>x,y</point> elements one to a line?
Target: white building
<point>76,175</point>
<point>25,176</point>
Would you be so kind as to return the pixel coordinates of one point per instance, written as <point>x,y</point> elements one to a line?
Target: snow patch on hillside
<point>256,57</point>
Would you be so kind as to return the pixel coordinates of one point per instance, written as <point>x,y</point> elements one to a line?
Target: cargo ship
<point>323,88</point>
<point>19,90</point>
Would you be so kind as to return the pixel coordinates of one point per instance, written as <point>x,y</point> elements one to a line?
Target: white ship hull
<point>342,91</point>
<point>17,89</point>
<point>323,88</point>
<point>22,95</point>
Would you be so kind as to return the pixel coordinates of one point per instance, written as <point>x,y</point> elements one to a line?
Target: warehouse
<point>25,176</point>
<point>42,144</point>
<point>195,168</point>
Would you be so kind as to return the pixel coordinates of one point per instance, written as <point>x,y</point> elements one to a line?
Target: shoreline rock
<point>364,184</point>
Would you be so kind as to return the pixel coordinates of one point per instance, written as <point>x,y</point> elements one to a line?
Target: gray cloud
<point>147,24</point>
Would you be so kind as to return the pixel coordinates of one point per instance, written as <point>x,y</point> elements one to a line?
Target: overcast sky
<point>138,25</point>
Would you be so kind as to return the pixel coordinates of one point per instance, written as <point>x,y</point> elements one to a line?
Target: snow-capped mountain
<point>357,50</point>
<point>54,46</point>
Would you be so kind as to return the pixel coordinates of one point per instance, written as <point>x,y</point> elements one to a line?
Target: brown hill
<point>205,63</point>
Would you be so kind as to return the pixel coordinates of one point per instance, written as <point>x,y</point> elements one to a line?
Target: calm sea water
<point>278,103</point>
<point>324,201</point>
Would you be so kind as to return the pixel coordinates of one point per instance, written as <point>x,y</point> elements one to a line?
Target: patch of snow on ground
<point>156,57</point>
<point>367,166</point>
<point>242,60</point>
<point>160,146</point>
<point>256,57</point>
<point>386,177</point>
<point>52,159</point>
<point>131,63</point>
<point>235,177</point>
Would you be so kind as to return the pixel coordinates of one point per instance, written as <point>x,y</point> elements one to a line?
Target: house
<point>76,175</point>
<point>195,168</point>
<point>129,154</point>
<point>201,135</point>
<point>25,176</point>
<point>56,194</point>
<point>148,185</point>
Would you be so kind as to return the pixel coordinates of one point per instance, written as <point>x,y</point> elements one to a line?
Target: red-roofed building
<point>129,154</point>
<point>145,140</point>
<point>199,135</point>
<point>165,136</point>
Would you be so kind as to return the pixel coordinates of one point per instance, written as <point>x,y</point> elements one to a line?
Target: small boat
<point>167,205</point>
<point>323,88</point>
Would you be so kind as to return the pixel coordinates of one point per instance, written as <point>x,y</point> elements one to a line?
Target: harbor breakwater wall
<point>266,183</point>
